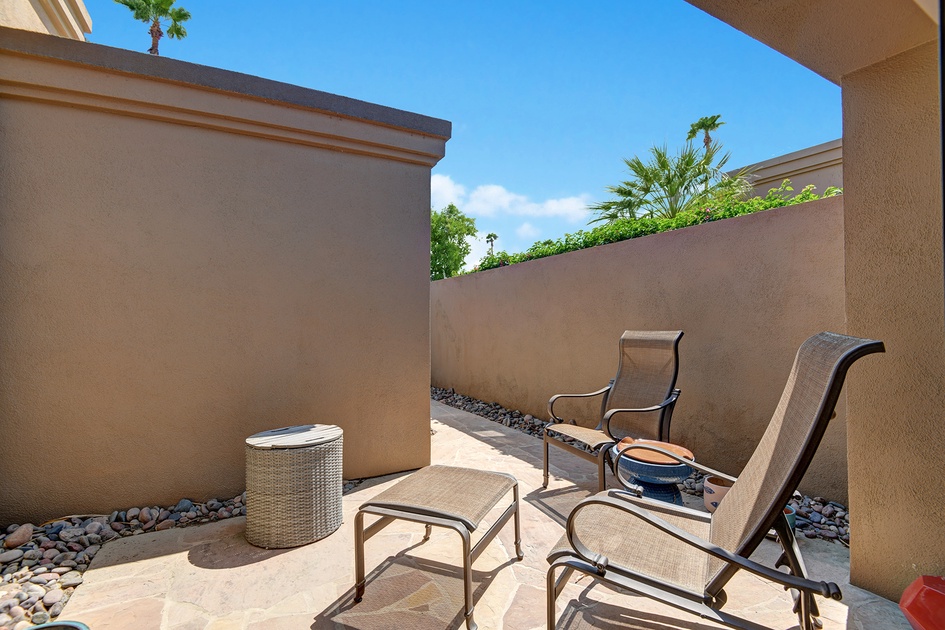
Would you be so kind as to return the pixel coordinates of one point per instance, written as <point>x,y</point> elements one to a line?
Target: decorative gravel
<point>41,565</point>
<point>816,517</point>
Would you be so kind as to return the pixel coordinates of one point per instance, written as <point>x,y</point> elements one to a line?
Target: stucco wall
<point>746,291</point>
<point>189,256</point>
<point>892,176</point>
<point>64,18</point>
<point>820,165</point>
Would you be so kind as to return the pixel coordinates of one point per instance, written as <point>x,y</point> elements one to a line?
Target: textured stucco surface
<point>64,18</point>
<point>820,166</point>
<point>746,291</point>
<point>892,178</point>
<point>831,38</point>
<point>183,267</point>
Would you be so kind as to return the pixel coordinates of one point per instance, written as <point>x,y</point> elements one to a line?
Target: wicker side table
<point>293,485</point>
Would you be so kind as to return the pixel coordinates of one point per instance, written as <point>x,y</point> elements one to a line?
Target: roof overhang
<point>832,38</point>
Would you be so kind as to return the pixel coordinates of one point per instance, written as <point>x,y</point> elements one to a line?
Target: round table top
<point>295,437</point>
<point>652,457</point>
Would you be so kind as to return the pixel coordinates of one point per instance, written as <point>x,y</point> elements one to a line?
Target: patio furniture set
<point>683,557</point>
<point>640,538</point>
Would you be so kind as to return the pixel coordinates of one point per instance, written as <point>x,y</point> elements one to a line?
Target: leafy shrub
<point>449,231</point>
<point>723,207</point>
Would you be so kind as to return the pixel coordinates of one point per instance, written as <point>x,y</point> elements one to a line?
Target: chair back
<point>779,462</point>
<point>646,376</point>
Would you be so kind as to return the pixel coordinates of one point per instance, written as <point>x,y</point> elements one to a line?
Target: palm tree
<point>705,125</point>
<point>491,238</point>
<point>153,12</point>
<point>668,184</point>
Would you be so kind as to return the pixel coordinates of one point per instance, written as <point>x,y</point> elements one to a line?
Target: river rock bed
<point>816,517</point>
<point>41,565</point>
<point>525,423</point>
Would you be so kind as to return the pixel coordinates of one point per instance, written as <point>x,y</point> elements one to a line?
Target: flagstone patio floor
<point>209,578</point>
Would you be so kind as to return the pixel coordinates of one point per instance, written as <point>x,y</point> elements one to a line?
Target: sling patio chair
<point>637,403</point>
<point>683,557</point>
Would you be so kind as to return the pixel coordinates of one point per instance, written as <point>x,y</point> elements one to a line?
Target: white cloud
<point>444,191</point>
<point>527,231</point>
<point>490,200</point>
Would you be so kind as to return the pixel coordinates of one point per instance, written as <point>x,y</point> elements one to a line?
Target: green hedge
<point>623,229</point>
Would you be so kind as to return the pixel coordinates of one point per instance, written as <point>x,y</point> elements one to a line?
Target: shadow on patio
<point>209,577</point>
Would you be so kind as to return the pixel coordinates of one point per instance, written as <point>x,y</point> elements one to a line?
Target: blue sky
<point>546,98</point>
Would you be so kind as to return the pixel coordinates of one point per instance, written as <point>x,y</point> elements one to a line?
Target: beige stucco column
<point>884,55</point>
<point>894,267</point>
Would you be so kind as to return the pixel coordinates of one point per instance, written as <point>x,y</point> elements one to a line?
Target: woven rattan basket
<point>293,485</point>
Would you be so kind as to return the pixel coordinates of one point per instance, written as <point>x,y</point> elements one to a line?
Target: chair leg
<point>805,605</point>
<point>552,597</point>
<point>518,527</point>
<point>602,469</point>
<point>553,587</point>
<point>467,581</point>
<point>544,483</point>
<point>805,615</point>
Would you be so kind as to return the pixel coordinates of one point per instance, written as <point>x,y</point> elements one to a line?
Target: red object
<point>923,603</point>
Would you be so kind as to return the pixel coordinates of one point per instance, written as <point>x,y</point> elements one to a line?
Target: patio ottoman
<point>444,496</point>
<point>293,485</point>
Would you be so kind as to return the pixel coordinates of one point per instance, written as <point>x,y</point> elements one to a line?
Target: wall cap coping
<point>173,70</point>
<point>823,148</point>
<point>787,166</point>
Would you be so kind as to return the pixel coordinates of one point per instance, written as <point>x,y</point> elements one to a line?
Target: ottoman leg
<point>359,556</point>
<point>467,580</point>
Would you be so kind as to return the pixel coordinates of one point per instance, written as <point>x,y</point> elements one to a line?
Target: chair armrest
<point>670,454</point>
<point>605,421</point>
<point>551,401</point>
<point>682,510</point>
<point>824,589</point>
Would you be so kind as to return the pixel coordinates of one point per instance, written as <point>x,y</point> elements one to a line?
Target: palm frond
<point>162,8</point>
<point>141,9</point>
<point>179,14</point>
<point>176,31</point>
<point>668,184</point>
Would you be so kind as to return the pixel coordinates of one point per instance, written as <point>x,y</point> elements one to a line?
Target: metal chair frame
<point>708,603</point>
<point>601,455</point>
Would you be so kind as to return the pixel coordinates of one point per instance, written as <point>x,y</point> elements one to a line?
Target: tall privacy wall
<point>189,256</point>
<point>746,291</point>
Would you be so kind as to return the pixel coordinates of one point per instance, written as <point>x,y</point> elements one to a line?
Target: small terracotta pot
<point>714,490</point>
